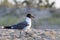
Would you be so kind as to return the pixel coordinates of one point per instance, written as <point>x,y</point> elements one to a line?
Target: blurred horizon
<point>57,2</point>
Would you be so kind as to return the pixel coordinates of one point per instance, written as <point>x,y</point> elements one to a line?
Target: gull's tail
<point>2,27</point>
<point>5,27</point>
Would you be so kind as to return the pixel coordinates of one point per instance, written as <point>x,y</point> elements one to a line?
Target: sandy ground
<point>35,34</point>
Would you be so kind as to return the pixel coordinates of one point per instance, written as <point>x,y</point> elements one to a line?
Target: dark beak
<point>32,16</point>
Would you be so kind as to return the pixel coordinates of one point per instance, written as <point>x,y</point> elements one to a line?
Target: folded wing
<point>20,25</point>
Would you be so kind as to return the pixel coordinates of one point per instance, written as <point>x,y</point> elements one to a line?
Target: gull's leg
<point>20,34</point>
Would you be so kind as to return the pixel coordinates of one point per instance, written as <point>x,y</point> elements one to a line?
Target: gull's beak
<point>32,16</point>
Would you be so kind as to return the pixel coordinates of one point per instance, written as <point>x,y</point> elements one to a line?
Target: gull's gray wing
<point>20,25</point>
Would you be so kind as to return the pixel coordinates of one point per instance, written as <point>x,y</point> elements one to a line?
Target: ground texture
<point>35,34</point>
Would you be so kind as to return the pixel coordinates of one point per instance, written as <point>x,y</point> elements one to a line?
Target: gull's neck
<point>28,20</point>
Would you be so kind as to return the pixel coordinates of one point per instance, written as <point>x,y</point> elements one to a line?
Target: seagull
<point>25,25</point>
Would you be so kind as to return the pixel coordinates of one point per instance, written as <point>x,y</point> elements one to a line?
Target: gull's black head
<point>29,15</point>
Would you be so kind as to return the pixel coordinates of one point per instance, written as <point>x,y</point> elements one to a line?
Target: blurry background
<point>46,12</point>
